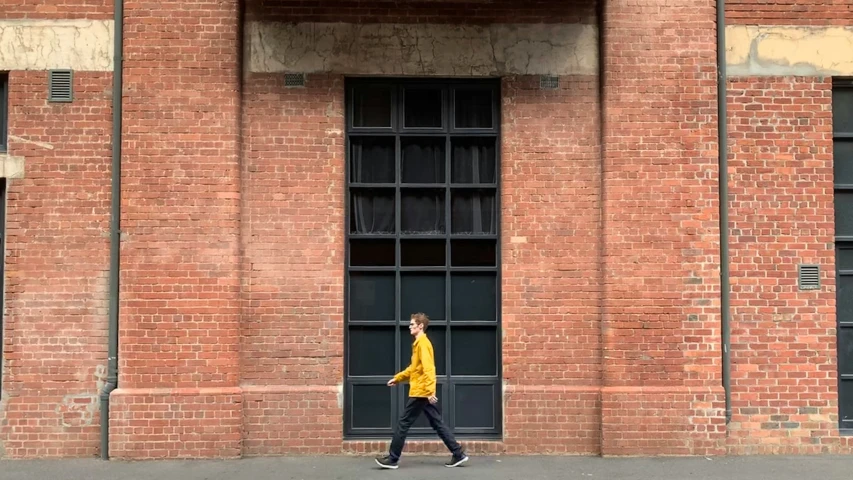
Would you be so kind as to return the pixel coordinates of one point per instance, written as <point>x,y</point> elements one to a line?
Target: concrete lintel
<point>82,45</point>
<point>11,167</point>
<point>423,49</point>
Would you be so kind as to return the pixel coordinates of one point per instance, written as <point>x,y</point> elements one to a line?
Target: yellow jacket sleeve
<point>405,374</point>
<point>428,363</point>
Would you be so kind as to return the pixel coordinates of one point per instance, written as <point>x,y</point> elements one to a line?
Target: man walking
<point>422,398</point>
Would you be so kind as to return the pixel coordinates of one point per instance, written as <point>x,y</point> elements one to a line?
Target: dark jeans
<point>414,407</point>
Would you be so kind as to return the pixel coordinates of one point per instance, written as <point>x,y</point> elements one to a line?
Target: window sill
<point>11,167</point>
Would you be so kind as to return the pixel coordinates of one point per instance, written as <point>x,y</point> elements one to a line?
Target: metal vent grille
<point>809,277</point>
<point>548,82</point>
<point>294,80</point>
<point>59,86</point>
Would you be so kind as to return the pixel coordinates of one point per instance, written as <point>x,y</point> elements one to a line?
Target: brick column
<point>661,338</point>
<point>178,390</point>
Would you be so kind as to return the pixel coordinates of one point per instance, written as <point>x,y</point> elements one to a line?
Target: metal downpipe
<point>722,132</point>
<point>115,231</point>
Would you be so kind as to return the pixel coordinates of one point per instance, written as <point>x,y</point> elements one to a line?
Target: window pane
<point>473,351</point>
<point>842,110</point>
<point>845,400</point>
<point>474,212</point>
<point>372,253</point>
<point>475,406</point>
<point>844,259</point>
<point>371,350</point>
<point>372,106</point>
<point>372,211</point>
<point>473,296</point>
<point>422,292</point>
<point>371,296</point>
<point>843,160</point>
<point>845,350</point>
<point>422,253</point>
<point>473,108</point>
<point>371,406</point>
<point>423,107</point>
<point>422,211</point>
<point>436,336</point>
<point>473,253</point>
<point>4,108</point>
<point>372,160</point>
<point>473,160</point>
<point>423,160</point>
<point>844,213</point>
<point>845,299</point>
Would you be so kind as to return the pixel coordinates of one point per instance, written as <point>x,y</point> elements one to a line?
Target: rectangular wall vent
<point>809,277</point>
<point>60,86</point>
<point>549,82</point>
<point>294,80</point>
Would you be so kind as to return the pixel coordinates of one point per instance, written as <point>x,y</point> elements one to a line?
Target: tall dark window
<point>4,110</point>
<point>423,228</point>
<point>842,125</point>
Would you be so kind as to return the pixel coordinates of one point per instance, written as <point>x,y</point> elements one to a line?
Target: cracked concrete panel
<point>451,50</point>
<point>773,50</point>
<point>11,167</point>
<point>83,45</point>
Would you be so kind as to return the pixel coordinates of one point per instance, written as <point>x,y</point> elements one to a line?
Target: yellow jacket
<point>421,372</point>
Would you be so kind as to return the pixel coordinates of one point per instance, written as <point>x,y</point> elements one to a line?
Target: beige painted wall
<point>807,51</point>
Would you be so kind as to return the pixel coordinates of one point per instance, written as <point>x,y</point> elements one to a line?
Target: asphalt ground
<point>827,467</point>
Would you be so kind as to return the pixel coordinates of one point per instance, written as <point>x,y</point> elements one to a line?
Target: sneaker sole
<point>389,467</point>
<point>460,462</point>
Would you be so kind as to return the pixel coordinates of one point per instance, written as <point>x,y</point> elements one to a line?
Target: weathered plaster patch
<point>84,45</point>
<point>11,167</point>
<point>450,50</point>
<point>16,138</point>
<point>772,50</point>
<point>77,410</point>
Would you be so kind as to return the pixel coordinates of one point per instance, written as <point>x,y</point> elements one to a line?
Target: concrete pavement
<point>431,468</point>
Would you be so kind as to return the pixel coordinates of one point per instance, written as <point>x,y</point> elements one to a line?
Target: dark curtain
<point>423,162</point>
<point>372,161</point>
<point>474,213</point>
<point>474,162</point>
<point>423,212</point>
<point>473,109</point>
<point>372,212</point>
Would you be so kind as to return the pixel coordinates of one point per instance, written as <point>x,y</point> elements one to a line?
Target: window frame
<point>447,382</point>
<point>4,112</point>
<point>842,243</point>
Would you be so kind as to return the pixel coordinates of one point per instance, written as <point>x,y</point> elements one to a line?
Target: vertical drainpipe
<point>722,132</point>
<point>115,231</point>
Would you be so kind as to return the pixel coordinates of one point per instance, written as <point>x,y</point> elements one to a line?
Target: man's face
<point>415,327</point>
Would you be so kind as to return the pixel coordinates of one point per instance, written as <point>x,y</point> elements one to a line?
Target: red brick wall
<point>57,262</point>
<point>424,11</point>
<point>293,223</point>
<point>661,241</point>
<point>180,282</point>
<point>784,359</point>
<point>56,9</point>
<point>789,12</point>
<point>293,242</point>
<point>550,244</point>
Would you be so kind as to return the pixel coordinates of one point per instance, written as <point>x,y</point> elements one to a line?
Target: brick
<point>788,12</point>
<point>57,9</point>
<point>57,257</point>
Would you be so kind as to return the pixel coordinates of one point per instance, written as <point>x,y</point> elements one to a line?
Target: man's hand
<point>392,382</point>
<point>433,399</point>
